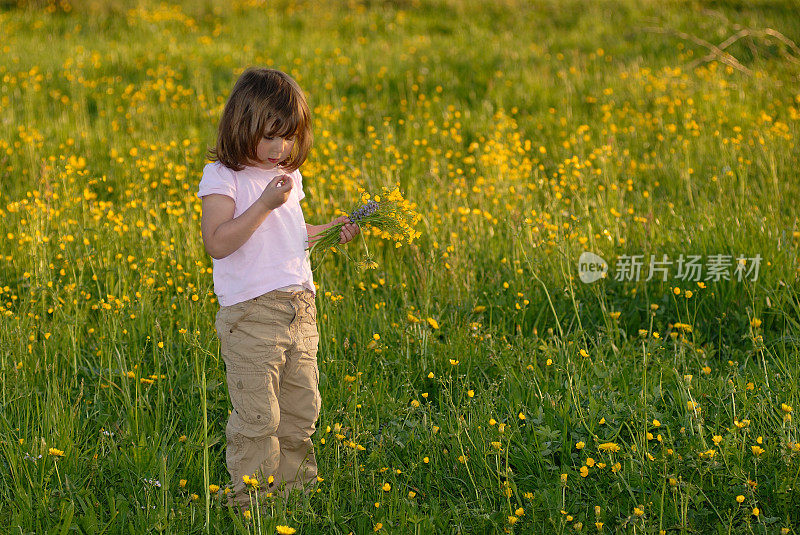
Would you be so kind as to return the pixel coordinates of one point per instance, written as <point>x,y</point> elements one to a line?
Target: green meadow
<point>472,382</point>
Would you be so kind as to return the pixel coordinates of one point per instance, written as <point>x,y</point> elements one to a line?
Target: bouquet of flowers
<point>386,215</point>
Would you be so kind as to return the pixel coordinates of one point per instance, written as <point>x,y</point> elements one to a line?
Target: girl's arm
<point>347,233</point>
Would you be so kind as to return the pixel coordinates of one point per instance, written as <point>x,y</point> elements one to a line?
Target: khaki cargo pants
<point>269,345</point>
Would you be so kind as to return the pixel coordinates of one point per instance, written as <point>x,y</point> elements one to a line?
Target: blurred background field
<point>471,383</point>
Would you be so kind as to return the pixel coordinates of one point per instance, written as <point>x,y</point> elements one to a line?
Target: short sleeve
<point>300,193</point>
<point>217,179</point>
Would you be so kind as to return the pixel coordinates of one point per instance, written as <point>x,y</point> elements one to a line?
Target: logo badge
<point>591,267</point>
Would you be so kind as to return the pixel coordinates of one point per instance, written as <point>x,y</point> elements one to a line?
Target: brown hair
<point>264,102</point>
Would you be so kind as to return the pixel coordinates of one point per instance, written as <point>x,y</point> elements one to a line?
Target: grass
<point>527,133</point>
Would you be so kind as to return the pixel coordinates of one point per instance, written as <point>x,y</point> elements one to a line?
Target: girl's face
<point>273,150</point>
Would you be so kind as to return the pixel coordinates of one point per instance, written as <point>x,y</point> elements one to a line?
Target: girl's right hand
<point>277,192</point>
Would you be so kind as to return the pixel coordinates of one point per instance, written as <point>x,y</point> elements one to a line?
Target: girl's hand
<point>348,231</point>
<point>277,192</point>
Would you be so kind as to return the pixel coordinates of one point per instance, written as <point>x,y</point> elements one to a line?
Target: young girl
<point>253,228</point>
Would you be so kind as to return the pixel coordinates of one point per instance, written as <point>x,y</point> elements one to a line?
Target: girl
<point>253,228</point>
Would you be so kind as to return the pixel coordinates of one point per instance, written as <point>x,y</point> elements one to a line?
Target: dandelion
<point>609,447</point>
<point>285,530</point>
<point>55,452</point>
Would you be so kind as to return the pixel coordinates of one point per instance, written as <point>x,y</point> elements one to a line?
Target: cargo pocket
<point>309,331</point>
<point>255,403</point>
<point>228,320</point>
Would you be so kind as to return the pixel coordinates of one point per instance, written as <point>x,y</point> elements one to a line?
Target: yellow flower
<point>55,452</point>
<point>521,416</point>
<point>786,408</point>
<point>740,498</point>
<point>512,520</point>
<point>638,511</point>
<point>285,530</point>
<point>584,471</point>
<point>756,512</point>
<point>757,450</point>
<point>386,487</point>
<point>471,393</point>
<point>213,488</point>
<point>478,309</point>
<point>602,421</point>
<point>609,447</point>
<point>247,515</point>
<point>656,423</point>
<point>580,445</point>
<point>378,527</point>
<point>584,353</point>
<point>590,462</point>
<point>433,323</point>
<point>182,483</point>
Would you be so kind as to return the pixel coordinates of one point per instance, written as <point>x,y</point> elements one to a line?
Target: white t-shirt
<point>275,256</point>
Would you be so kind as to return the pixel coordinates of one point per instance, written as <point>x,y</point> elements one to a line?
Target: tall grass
<point>527,133</point>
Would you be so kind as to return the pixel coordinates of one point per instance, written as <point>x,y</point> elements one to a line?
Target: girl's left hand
<point>348,231</point>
